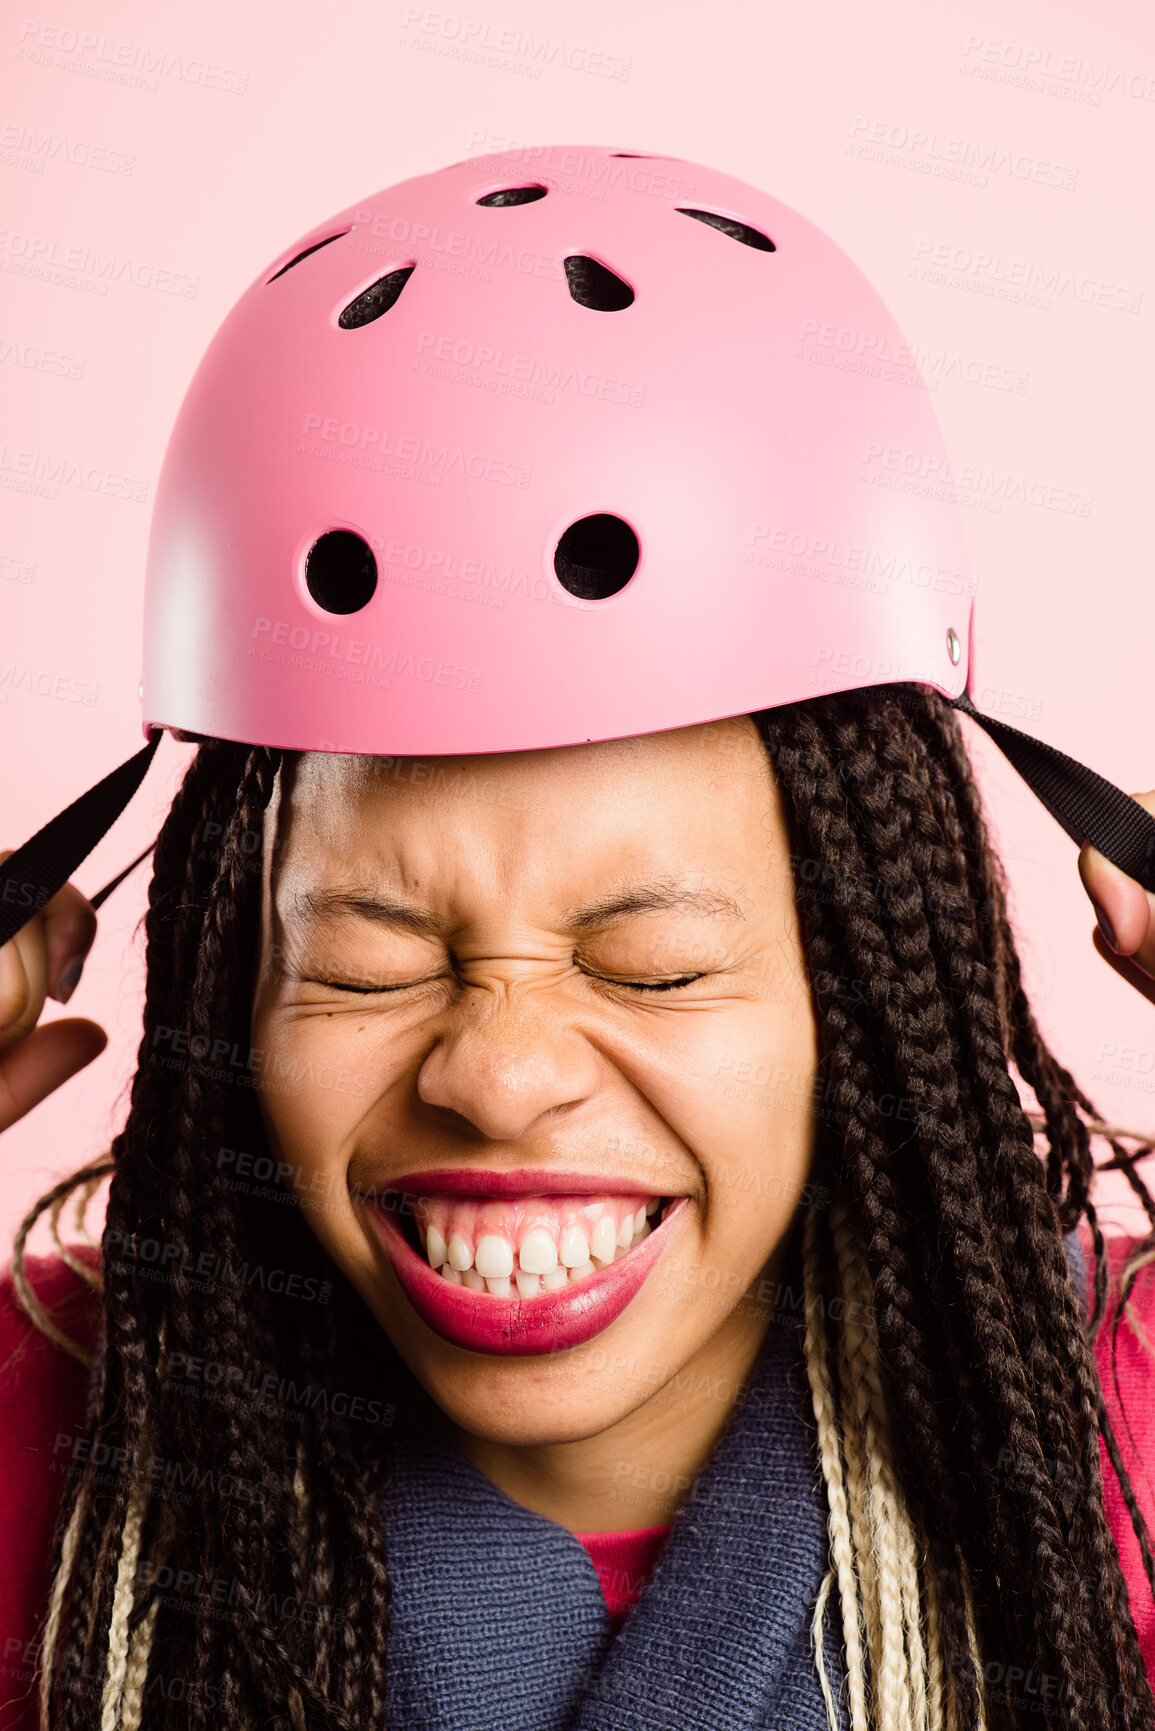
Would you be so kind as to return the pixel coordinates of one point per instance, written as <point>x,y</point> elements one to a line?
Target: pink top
<point>624,1562</point>
<point>1135,1434</point>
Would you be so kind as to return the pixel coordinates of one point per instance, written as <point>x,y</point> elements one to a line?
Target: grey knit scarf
<point>498,1617</point>
<point>499,1622</point>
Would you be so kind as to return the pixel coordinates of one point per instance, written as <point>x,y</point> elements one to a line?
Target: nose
<point>506,1063</point>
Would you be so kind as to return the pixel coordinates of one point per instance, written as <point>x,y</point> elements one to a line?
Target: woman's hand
<point>1125,912</point>
<point>44,959</point>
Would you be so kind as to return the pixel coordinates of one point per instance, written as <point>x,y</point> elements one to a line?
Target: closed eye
<point>653,985</point>
<point>629,985</point>
<point>368,991</point>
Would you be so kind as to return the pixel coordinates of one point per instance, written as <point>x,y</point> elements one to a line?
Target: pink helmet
<point>530,450</point>
<point>557,445</point>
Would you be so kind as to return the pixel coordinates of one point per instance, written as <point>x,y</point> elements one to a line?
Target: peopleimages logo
<point>22,146</point>
<point>586,172</point>
<point>802,553</point>
<point>46,258</point>
<point>930,152</point>
<point>367,445</point>
<point>39,472</point>
<point>480,364</point>
<point>41,682</point>
<point>481,42</point>
<point>353,658</point>
<point>1031,66</point>
<point>879,355</point>
<point>1017,280</point>
<point>970,483</point>
<point>133,63</point>
<point>36,359</point>
<point>473,252</point>
<point>449,571</point>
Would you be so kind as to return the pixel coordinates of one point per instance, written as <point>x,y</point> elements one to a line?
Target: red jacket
<point>42,1404</point>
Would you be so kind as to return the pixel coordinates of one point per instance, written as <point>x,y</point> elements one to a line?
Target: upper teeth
<point>493,1257</point>
<point>538,1253</point>
<point>538,1243</point>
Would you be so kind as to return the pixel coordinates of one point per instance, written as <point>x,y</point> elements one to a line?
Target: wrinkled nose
<point>506,1064</point>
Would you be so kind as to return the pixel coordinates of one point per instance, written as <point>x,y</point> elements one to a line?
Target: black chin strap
<point>33,874</point>
<point>1089,807</point>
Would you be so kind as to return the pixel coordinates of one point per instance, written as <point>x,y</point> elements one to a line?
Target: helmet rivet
<point>953,646</point>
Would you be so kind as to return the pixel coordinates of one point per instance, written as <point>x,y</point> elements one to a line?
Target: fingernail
<point>1105,927</point>
<point>69,975</point>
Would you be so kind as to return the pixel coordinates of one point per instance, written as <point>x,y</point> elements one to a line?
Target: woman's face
<point>532,993</point>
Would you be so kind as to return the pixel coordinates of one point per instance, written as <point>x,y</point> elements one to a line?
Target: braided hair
<point>990,1384</point>
<point>217,1549</point>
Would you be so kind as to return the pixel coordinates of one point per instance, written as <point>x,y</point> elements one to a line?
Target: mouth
<point>521,1274</point>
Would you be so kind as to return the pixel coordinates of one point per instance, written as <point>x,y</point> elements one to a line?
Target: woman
<point>555,1108</point>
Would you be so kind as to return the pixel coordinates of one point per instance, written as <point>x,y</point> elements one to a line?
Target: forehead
<point>701,798</point>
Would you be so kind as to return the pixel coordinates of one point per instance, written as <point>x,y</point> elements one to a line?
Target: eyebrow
<point>651,898</point>
<point>320,905</point>
<point>644,898</point>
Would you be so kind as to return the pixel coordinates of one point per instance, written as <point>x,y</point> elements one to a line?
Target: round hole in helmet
<point>340,571</point>
<point>596,556</point>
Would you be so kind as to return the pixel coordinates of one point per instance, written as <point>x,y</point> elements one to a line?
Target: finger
<point>65,927</point>
<point>25,970</point>
<point>1144,956</point>
<point>1127,922</point>
<point>17,1012</point>
<point>21,974</point>
<point>39,1064</point>
<point>1128,908</point>
<point>69,930</point>
<point>1125,966</point>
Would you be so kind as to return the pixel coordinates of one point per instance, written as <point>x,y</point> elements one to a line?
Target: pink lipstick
<point>515,1326</point>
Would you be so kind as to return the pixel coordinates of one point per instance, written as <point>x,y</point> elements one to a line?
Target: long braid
<point>959,964</point>
<point>122,1398</point>
<point>897,1611</point>
<point>802,764</point>
<point>1069,1153</point>
<point>848,1570</point>
<point>199,1218</point>
<point>1070,1158</point>
<point>1079,1397</point>
<point>933,968</point>
<point>358,1642</point>
<point>166,1188</point>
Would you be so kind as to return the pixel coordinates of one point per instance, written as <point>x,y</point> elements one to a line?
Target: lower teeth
<point>530,1285</point>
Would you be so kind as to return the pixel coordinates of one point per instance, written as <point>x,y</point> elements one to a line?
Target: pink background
<point>186,147</point>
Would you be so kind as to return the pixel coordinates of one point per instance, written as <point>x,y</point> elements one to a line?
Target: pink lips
<point>519,1327</point>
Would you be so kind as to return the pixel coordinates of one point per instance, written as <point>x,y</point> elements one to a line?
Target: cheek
<point>749,1077</point>
<point>751,1122</point>
<point>746,1112</point>
<point>312,1097</point>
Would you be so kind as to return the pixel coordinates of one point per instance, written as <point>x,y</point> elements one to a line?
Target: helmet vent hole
<point>316,247</point>
<point>340,571</point>
<point>513,195</point>
<point>375,300</point>
<point>596,557</point>
<point>736,230</point>
<point>593,285</point>
<point>642,155</point>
